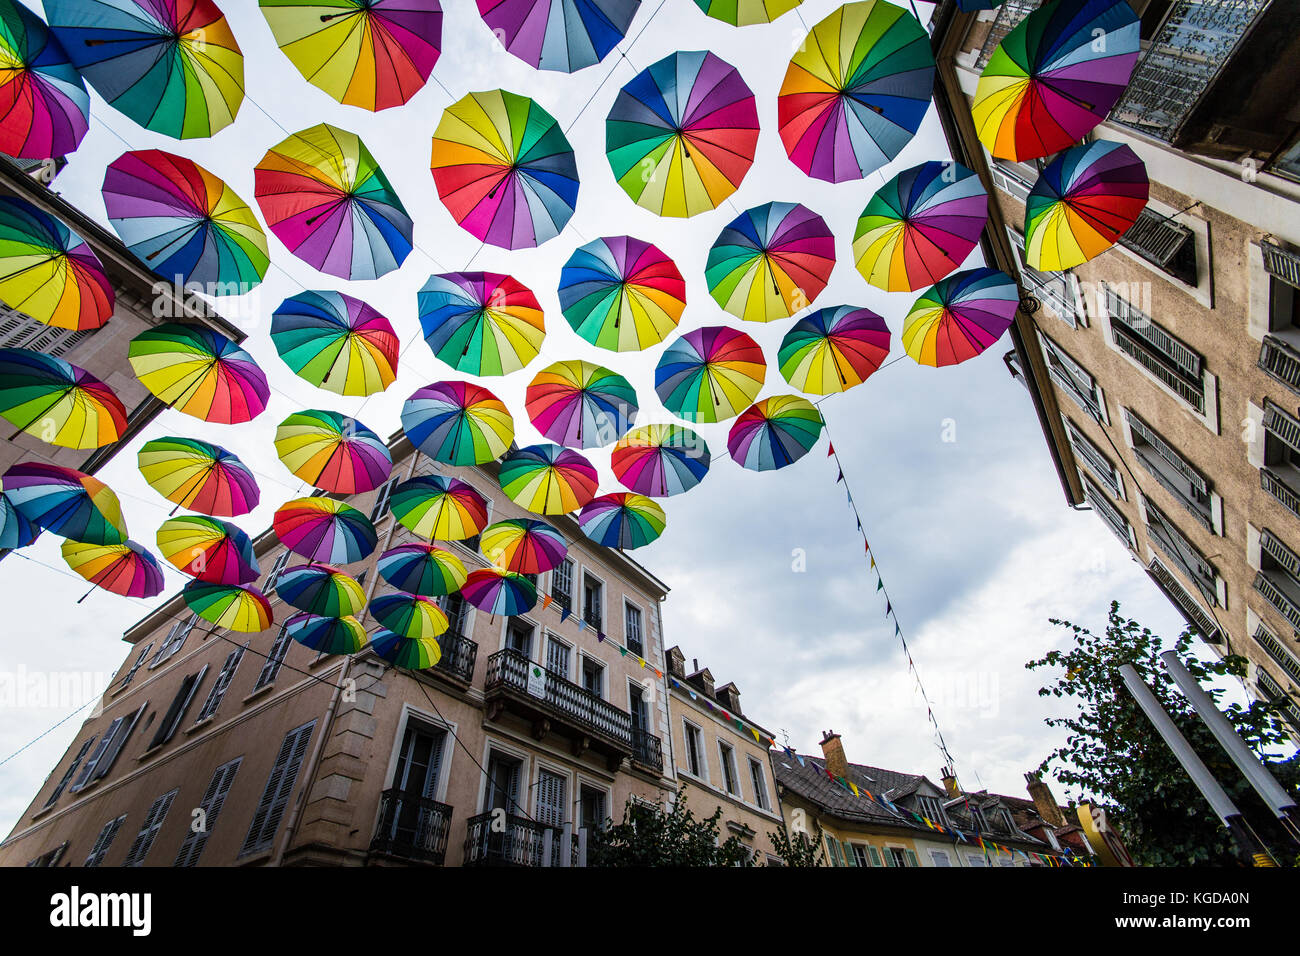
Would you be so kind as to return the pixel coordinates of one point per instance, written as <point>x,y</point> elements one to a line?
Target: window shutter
<point>874,854</point>
<point>213,799</point>
<point>271,667</point>
<point>110,747</point>
<point>103,841</point>
<point>153,822</point>
<point>1144,327</point>
<point>1166,451</point>
<point>833,850</point>
<point>176,712</point>
<point>1156,238</point>
<point>911,858</point>
<point>279,785</point>
<point>130,675</point>
<point>889,857</point>
<point>850,858</point>
<point>219,686</point>
<point>67,774</point>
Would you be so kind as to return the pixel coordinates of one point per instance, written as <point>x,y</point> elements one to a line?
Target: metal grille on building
<point>1193,611</point>
<point>1009,16</point>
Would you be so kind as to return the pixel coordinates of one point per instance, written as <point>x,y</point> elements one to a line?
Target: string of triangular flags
<point>583,624</point>
<point>741,725</point>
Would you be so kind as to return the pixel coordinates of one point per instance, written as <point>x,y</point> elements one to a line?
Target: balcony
<point>1280,490</point>
<point>1278,598</point>
<point>412,829</point>
<point>1156,467</point>
<point>647,751</point>
<point>521,842</point>
<point>458,657</point>
<point>1280,360</point>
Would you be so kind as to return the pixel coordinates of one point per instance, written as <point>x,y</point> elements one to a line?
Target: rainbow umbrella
<point>49,272</point>
<point>1083,202</point>
<point>328,635</point>
<point>199,476</point>
<point>500,592</point>
<point>422,569</point>
<point>325,197</point>
<point>200,372</point>
<point>458,423</point>
<point>743,13</point>
<point>622,520</point>
<point>44,106</point>
<point>1055,77</point>
<point>434,506</point>
<point>920,226</point>
<point>320,589</point>
<point>855,91</point>
<point>833,349</point>
<point>504,169</point>
<point>126,569</point>
<point>411,653</point>
<point>184,223</point>
<point>65,502</point>
<point>208,549</point>
<point>58,402</point>
<point>409,615</point>
<point>972,6</point>
<point>15,530</point>
<point>333,452</point>
<point>336,342</point>
<point>681,135</point>
<point>563,35</point>
<point>770,262</point>
<point>374,54</point>
<point>621,294</point>
<point>710,374</point>
<point>324,531</point>
<point>959,317</point>
<point>242,609</point>
<point>481,323</point>
<point>661,460</point>
<point>580,404</point>
<point>774,432</point>
<point>523,545</point>
<point>547,479</point>
<point>172,66</point>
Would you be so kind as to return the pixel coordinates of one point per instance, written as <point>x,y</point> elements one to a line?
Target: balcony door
<point>502,784</point>
<point>415,781</point>
<point>637,706</point>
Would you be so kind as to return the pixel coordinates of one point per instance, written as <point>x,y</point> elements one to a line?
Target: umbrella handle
<point>86,595</point>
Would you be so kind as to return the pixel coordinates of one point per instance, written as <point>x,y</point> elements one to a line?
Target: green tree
<point>660,835</point>
<point>799,850</point>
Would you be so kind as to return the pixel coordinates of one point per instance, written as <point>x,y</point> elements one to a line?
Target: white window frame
<point>759,783</point>
<point>701,758</point>
<point>627,638</point>
<point>581,673</point>
<point>604,595</point>
<point>726,750</point>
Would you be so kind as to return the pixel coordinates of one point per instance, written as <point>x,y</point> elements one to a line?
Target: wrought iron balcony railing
<point>412,828</point>
<point>458,656</point>
<point>563,700</point>
<point>647,750</point>
<point>510,841</point>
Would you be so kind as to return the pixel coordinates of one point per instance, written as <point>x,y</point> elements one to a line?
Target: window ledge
<point>150,752</point>
<point>198,725</point>
<point>259,692</point>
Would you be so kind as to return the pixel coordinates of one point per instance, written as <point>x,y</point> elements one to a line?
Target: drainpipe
<point>668,701</point>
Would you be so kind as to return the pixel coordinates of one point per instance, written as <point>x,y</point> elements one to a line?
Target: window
<point>1270,691</point>
<point>110,745</point>
<point>637,707</point>
<point>382,497</point>
<point>593,676</point>
<point>214,799</point>
<point>457,610</point>
<point>728,760</point>
<point>502,791</point>
<point>102,842</point>
<point>1171,470</point>
<point>1073,379</point>
<point>1107,511</point>
<point>562,584</point>
<point>130,675</point>
<point>51,858</point>
<point>1181,597</point>
<point>557,656</point>
<point>632,629</point>
<point>940,858</point>
<point>592,804</point>
<point>973,859</point>
<point>551,803</point>
<point>67,774</point>
<point>1165,243</point>
<point>931,809</point>
<point>222,683</point>
<point>1280,473</point>
<point>977,819</point>
<point>694,755</point>
<point>1278,579</point>
<point>1014,179</point>
<point>1055,290</point>
<point>279,786</point>
<point>1276,650</point>
<point>758,779</point>
<point>1158,352</point>
<point>153,822</point>
<point>176,712</point>
<point>274,659</point>
<point>1184,554</point>
<point>276,570</point>
<point>20,330</point>
<point>519,638</point>
<point>175,638</point>
<point>898,856</point>
<point>592,601</point>
<point>860,854</point>
<point>833,846</point>
<point>1094,459</point>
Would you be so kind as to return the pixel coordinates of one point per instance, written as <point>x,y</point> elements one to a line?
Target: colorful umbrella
<point>1055,77</point>
<point>564,35</point>
<point>242,609</point>
<point>15,530</point>
<point>1083,202</point>
<point>58,402</point>
<point>172,66</point>
<point>920,226</point>
<point>422,569</point>
<point>374,54</point>
<point>200,372</point>
<point>775,432</point>
<point>199,476</point>
<point>959,317</point>
<point>333,452</point>
<point>770,262</point>
<point>743,13</point>
<point>208,549</point>
<point>681,135</point>
<point>833,349</point>
<point>328,635</point>
<point>504,169</point>
<point>412,654</point>
<point>523,545</point>
<point>409,615</point>
<point>661,460</point>
<point>324,531</point>
<point>65,502</point>
<point>580,404</point>
<point>855,91</point>
<point>320,589</point>
<point>49,272</point>
<point>458,423</point>
<point>325,197</point>
<point>126,569</point>
<point>336,342</point>
<point>434,506</point>
<point>548,479</point>
<point>622,520</point>
<point>481,323</point>
<point>621,294</point>
<point>710,374</point>
<point>44,106</point>
<point>500,592</point>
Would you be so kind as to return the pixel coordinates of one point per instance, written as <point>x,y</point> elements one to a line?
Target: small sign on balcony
<point>536,681</point>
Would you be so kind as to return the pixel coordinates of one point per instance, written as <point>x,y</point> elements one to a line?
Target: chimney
<point>833,751</point>
<point>1044,802</point>
<point>695,665</point>
<point>949,780</point>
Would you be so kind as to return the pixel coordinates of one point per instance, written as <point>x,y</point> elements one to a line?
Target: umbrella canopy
<point>325,197</point>
<point>422,569</point>
<point>775,432</point>
<point>208,549</point>
<point>523,545</point>
<point>336,342</point>
<point>44,106</point>
<point>65,502</point>
<point>681,135</point>
<point>959,317</point>
<point>548,479</point>
<point>710,374</point>
<point>242,609</point>
<point>1055,77</point>
<point>172,66</point>
<point>622,520</point>
<point>920,226</point>
<point>580,404</point>
<point>324,531</point>
<point>621,294</point>
<point>333,452</point>
<point>410,653</point>
<point>504,169</point>
<point>500,592</point>
<point>58,402</point>
<point>328,635</point>
<point>199,476</point>
<point>320,589</point>
<point>481,323</point>
<point>15,530</point>
<point>200,372</point>
<point>126,569</point>
<point>1083,202</point>
<point>434,506</point>
<point>833,349</point>
<point>49,272</point>
<point>770,262</point>
<point>458,423</point>
<point>661,460</point>
<point>374,54</point>
<point>855,91</point>
<point>563,35</point>
<point>409,615</point>
<point>743,13</point>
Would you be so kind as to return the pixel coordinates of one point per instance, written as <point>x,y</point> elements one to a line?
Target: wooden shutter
<point>176,712</point>
<point>124,725</point>
<point>213,799</point>
<point>103,841</point>
<point>279,785</point>
<point>911,858</point>
<point>273,659</point>
<point>67,774</point>
<point>98,752</point>
<point>551,809</point>
<point>224,677</point>
<point>874,854</point>
<point>832,850</point>
<point>850,858</point>
<point>153,822</point>
<point>889,857</point>
<point>127,678</point>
